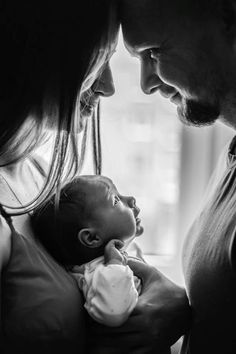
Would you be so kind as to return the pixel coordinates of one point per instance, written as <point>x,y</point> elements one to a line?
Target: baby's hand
<point>113,253</point>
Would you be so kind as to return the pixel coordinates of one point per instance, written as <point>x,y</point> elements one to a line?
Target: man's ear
<point>89,238</point>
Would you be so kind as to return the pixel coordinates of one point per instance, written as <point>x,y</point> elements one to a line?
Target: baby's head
<point>91,212</point>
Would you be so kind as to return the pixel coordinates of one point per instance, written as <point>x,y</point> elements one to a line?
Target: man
<point>187,53</point>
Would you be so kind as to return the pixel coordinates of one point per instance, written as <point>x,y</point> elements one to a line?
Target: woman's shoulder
<point>5,242</point>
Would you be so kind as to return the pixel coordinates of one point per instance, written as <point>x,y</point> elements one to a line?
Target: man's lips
<point>173,96</point>
<point>176,99</point>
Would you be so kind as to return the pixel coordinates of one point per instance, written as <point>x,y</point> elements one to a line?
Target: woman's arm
<point>161,317</point>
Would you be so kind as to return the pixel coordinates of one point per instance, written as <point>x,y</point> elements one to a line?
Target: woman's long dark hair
<point>50,49</point>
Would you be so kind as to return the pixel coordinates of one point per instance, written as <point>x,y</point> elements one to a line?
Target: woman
<point>54,64</point>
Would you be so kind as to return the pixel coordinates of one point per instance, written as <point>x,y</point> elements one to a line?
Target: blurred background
<point>165,165</point>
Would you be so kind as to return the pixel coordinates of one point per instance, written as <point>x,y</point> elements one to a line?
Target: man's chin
<point>197,114</point>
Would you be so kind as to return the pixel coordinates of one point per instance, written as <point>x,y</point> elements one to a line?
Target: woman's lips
<point>86,109</point>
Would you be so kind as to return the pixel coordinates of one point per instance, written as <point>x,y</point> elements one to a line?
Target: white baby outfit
<point>111,291</point>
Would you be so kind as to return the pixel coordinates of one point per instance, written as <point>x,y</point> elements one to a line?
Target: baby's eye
<point>154,53</point>
<point>116,199</point>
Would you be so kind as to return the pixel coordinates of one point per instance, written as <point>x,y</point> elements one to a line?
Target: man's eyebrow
<point>145,46</point>
<point>137,49</point>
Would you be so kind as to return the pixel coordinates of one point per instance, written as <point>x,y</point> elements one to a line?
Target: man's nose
<point>150,81</point>
<point>104,85</point>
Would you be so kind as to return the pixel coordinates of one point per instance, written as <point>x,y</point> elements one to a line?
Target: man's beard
<point>197,113</point>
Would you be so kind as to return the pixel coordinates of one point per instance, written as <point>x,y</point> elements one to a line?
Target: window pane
<point>141,152</point>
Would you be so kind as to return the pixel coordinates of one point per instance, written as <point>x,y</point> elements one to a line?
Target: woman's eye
<point>154,53</point>
<point>116,200</point>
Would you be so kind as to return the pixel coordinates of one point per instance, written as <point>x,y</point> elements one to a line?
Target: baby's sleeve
<point>110,294</point>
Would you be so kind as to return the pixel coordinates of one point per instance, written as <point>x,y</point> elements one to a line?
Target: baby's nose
<point>131,202</point>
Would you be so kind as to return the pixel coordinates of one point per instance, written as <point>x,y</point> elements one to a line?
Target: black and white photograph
<point>117,176</point>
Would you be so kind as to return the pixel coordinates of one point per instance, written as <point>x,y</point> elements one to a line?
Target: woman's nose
<point>104,85</point>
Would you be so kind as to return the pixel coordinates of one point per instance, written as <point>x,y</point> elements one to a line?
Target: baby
<point>86,234</point>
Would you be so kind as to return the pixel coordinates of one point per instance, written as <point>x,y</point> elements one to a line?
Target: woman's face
<point>102,86</point>
<point>99,83</point>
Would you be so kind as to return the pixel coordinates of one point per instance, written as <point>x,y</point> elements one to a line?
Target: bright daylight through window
<point>141,152</point>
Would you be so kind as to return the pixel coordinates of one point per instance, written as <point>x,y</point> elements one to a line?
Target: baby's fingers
<point>114,244</point>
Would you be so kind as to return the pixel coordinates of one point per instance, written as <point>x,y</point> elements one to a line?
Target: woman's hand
<point>161,317</point>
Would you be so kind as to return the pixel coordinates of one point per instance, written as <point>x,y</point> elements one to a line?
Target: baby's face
<point>114,215</point>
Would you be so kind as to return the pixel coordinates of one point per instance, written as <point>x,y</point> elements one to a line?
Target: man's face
<point>113,215</point>
<point>188,60</point>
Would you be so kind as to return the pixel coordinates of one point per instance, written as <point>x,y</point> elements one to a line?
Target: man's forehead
<point>143,21</point>
<point>147,23</point>
<point>144,7</point>
<point>150,13</point>
<point>139,12</point>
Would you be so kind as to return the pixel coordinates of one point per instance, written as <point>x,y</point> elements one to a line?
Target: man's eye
<point>116,200</point>
<point>154,53</point>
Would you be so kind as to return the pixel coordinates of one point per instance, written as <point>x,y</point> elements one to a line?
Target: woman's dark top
<point>41,304</point>
<point>42,307</point>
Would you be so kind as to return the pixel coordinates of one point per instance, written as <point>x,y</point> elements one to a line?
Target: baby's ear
<point>89,238</point>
